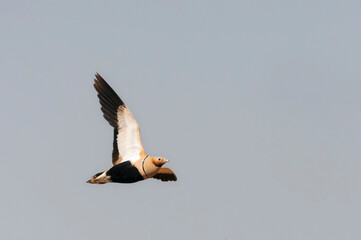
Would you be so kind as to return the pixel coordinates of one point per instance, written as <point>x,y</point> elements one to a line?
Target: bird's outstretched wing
<point>127,145</point>
<point>165,174</point>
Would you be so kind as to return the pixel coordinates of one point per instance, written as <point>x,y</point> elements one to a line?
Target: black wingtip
<point>98,78</point>
<point>108,99</point>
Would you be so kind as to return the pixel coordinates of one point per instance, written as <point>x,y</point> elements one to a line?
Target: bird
<point>130,163</point>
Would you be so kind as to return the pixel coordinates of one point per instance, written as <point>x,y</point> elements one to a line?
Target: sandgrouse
<point>130,161</point>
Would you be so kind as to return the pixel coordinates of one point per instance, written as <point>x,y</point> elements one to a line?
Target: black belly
<point>124,173</point>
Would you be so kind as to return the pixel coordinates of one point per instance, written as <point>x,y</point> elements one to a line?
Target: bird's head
<point>159,161</point>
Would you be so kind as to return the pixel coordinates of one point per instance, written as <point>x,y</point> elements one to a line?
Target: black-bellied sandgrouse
<point>130,161</point>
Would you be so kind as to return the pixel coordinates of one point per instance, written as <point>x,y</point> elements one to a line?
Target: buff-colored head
<point>159,161</point>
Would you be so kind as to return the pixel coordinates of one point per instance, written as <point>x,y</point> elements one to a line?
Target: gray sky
<point>255,103</point>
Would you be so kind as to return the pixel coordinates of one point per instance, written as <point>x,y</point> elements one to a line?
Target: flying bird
<point>130,162</point>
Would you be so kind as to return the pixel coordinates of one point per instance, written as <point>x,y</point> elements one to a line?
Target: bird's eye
<point>158,159</point>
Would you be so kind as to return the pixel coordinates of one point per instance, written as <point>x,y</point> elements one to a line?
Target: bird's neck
<point>148,169</point>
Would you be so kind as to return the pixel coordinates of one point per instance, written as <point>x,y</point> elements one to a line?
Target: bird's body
<point>124,172</point>
<point>130,161</point>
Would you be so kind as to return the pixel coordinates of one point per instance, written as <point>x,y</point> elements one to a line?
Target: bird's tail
<point>99,178</point>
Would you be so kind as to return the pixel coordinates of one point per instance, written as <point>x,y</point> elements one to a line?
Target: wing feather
<point>165,174</point>
<point>127,144</point>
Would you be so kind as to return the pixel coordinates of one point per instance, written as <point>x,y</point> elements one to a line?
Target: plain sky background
<point>257,105</point>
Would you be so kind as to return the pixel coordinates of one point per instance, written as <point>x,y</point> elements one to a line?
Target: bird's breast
<point>146,167</point>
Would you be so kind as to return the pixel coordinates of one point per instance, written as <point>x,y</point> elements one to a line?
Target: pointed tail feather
<point>99,178</point>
